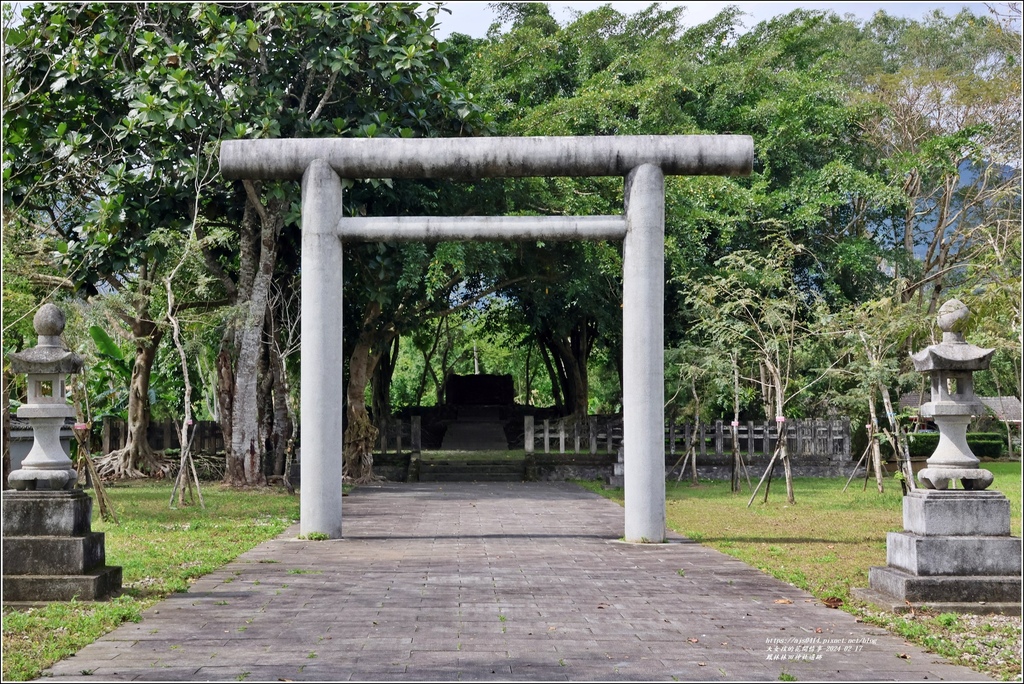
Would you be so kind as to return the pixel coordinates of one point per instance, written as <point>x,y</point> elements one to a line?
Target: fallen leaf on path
<point>903,655</point>
<point>701,664</point>
<point>783,601</point>
<point>817,630</point>
<point>693,640</point>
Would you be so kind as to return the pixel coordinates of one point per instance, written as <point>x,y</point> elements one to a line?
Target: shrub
<point>983,444</point>
<point>922,444</point>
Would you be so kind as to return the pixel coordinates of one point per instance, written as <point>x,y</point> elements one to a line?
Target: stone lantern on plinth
<point>47,364</point>
<point>955,553</point>
<point>952,365</point>
<point>49,549</point>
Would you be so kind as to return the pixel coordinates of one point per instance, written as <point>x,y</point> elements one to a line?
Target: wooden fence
<point>821,438</point>
<point>400,434</point>
<point>207,437</point>
<point>596,434</point>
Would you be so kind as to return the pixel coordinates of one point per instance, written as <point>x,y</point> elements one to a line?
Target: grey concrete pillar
<point>643,371</point>
<point>322,390</point>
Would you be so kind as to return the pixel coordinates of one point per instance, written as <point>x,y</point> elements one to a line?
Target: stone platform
<point>50,551</point>
<point>494,582</point>
<point>955,554</point>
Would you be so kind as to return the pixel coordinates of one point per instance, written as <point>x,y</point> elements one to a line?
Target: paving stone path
<point>494,581</point>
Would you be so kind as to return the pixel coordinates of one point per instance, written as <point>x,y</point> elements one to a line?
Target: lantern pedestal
<point>954,555</point>
<point>50,551</point>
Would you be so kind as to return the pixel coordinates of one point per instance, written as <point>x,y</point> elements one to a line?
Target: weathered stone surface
<point>41,513</point>
<point>52,555</point>
<point>49,355</point>
<point>891,603</point>
<point>643,367</point>
<point>954,555</point>
<point>95,584</point>
<point>931,512</point>
<point>322,388</point>
<point>974,479</point>
<point>951,588</point>
<point>480,228</point>
<point>472,158</point>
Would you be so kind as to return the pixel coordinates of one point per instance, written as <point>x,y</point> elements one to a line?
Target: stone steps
<point>453,470</point>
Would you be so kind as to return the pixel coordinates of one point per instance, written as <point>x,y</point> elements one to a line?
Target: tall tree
<point>123,107</point>
<point>948,129</point>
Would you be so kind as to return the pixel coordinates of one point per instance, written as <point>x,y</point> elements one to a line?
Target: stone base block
<point>890,603</point>
<point>46,514</point>
<point>95,584</point>
<point>903,586</point>
<point>954,555</point>
<point>52,555</point>
<point>934,512</point>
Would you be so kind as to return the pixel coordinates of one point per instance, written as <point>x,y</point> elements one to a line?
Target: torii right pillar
<point>643,367</point>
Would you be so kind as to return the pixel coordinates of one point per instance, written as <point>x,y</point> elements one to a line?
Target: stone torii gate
<point>643,161</point>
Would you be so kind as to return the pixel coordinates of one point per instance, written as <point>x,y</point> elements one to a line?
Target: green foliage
<point>983,444</point>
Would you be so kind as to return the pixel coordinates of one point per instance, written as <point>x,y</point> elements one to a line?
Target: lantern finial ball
<point>49,321</point>
<point>953,316</point>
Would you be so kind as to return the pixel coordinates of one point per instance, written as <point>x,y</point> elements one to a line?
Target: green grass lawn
<point>824,543</point>
<point>161,551</point>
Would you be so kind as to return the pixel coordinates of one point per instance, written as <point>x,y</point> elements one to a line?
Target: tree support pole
<point>322,389</point>
<point>643,325</point>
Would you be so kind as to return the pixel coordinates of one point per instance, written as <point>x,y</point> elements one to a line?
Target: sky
<point>473,18</point>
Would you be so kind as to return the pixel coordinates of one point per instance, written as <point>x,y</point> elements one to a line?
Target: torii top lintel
<point>471,158</point>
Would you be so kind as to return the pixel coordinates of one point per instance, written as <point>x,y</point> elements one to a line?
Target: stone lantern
<point>951,365</point>
<point>49,549</point>
<point>46,365</point>
<point>956,552</point>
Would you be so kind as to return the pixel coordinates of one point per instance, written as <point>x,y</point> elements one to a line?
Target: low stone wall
<point>392,467</point>
<point>561,467</point>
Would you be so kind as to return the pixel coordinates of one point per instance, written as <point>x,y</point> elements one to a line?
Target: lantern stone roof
<point>954,353</point>
<point>49,356</point>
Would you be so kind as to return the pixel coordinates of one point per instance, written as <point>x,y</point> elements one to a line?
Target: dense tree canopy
<point>887,172</point>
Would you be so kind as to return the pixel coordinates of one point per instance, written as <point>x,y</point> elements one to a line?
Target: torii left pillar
<point>323,390</point>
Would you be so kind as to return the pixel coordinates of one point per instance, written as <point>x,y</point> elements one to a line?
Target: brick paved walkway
<point>497,581</point>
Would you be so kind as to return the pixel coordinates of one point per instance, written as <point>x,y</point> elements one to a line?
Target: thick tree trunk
<point>226,391</point>
<point>360,435</point>
<point>570,356</point>
<point>556,392</point>
<point>247,446</point>
<point>381,383</point>
<point>284,427</point>
<point>137,458</point>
